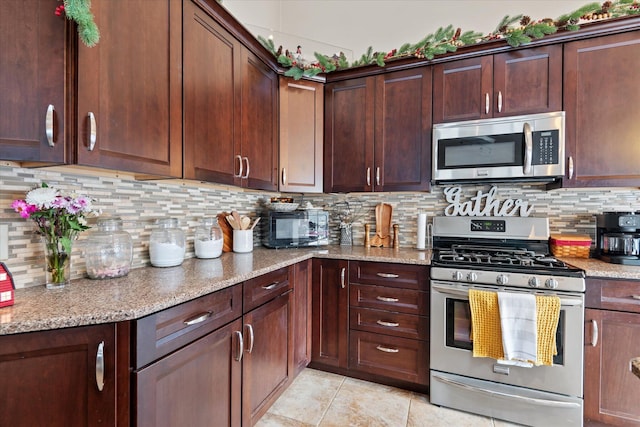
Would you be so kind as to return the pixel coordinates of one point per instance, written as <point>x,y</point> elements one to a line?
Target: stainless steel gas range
<point>503,254</point>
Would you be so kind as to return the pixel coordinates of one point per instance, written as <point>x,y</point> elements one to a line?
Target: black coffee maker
<point>618,237</point>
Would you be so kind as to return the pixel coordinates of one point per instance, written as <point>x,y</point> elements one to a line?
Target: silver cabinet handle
<point>271,286</point>
<point>387,349</point>
<point>570,167</point>
<point>48,126</point>
<point>284,176</point>
<point>100,366</point>
<point>251,337</point>
<point>378,175</point>
<point>342,277</point>
<point>198,318</point>
<point>528,148</point>
<point>92,131</point>
<point>635,296</point>
<point>239,175</point>
<point>387,299</point>
<point>240,352</point>
<point>486,103</point>
<point>389,324</point>
<point>246,175</point>
<point>499,101</point>
<point>594,332</point>
<point>368,177</point>
<point>387,275</point>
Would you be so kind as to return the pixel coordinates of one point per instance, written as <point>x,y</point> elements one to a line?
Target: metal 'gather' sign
<point>483,204</point>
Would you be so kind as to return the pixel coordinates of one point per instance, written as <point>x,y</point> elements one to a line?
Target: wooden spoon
<point>232,222</point>
<point>246,222</point>
<point>236,217</point>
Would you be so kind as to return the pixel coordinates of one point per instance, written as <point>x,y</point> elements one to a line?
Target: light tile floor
<point>323,399</point>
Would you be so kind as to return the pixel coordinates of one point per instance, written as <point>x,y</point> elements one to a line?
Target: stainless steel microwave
<point>518,148</point>
<point>296,229</point>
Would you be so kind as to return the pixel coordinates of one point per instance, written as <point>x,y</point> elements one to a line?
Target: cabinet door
<point>302,315</point>
<point>403,131</point>
<point>51,378</point>
<point>32,60</point>
<point>268,357</point>
<point>330,313</point>
<point>527,81</point>
<point>259,124</point>
<point>211,98</point>
<point>198,385</point>
<point>301,131</point>
<point>601,96</point>
<point>462,90</point>
<point>348,148</point>
<point>611,390</point>
<point>130,89</point>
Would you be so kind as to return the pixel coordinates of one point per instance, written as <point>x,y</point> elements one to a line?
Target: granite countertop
<point>594,267</point>
<point>147,290</point>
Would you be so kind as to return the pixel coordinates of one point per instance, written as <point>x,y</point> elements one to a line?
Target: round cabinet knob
<point>534,282</point>
<point>551,283</point>
<point>502,279</point>
<point>457,276</point>
<point>472,277</point>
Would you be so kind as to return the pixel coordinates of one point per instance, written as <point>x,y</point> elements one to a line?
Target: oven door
<point>451,348</point>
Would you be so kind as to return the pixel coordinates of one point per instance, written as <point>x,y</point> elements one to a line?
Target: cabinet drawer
<point>389,323</point>
<point>392,299</point>
<point>264,288</point>
<point>395,275</point>
<point>611,294</point>
<point>161,333</point>
<point>392,357</point>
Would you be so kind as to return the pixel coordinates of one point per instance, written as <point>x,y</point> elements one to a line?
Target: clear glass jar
<point>108,250</point>
<point>167,244</point>
<point>207,241</point>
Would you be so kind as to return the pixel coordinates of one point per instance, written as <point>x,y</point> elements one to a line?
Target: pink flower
<point>25,210</point>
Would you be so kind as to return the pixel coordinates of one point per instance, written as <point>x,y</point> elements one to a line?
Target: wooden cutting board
<point>227,232</point>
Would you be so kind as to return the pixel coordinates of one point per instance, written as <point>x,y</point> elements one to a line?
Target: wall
<point>383,24</point>
<point>139,203</point>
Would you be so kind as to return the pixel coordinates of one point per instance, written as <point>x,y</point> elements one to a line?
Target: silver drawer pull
<point>238,356</point>
<point>251,337</point>
<point>198,318</point>
<point>389,324</point>
<point>594,332</point>
<point>48,126</point>
<point>388,275</point>
<point>635,296</point>
<point>93,133</point>
<point>387,349</point>
<point>100,366</point>
<point>387,299</point>
<point>271,286</point>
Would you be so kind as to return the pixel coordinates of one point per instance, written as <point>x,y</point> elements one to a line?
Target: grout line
<point>331,402</point>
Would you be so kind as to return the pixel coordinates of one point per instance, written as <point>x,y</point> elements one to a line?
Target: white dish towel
<point>519,326</point>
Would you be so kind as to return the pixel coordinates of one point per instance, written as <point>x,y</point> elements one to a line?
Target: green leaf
<point>405,48</point>
<point>268,44</point>
<point>285,60</point>
<point>380,59</point>
<point>507,21</point>
<point>294,72</point>
<point>66,244</point>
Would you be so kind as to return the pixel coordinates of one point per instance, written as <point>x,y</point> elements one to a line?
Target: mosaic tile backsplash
<point>140,203</point>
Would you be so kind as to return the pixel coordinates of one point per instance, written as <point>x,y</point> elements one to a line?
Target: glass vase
<point>346,234</point>
<point>57,261</point>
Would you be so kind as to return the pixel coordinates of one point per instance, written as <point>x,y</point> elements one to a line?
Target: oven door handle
<point>566,302</point>
<point>540,402</point>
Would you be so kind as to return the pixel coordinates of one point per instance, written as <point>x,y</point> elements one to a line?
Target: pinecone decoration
<point>525,21</point>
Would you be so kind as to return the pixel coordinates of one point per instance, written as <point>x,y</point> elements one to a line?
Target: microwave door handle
<point>528,148</point>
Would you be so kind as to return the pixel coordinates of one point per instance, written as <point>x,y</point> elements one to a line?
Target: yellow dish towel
<point>485,324</point>
<point>548,312</point>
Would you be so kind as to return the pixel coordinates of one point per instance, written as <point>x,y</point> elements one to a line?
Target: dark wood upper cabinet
<point>130,89</point>
<point>230,107</point>
<point>602,96</point>
<point>522,81</point>
<point>32,64</point>
<point>377,133</point>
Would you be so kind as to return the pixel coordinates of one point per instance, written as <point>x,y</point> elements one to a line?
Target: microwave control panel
<point>546,149</point>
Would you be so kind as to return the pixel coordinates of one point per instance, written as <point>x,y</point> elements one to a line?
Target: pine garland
<point>80,12</point>
<point>515,30</point>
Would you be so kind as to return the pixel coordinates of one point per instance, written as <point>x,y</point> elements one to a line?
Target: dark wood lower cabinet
<point>301,315</point>
<point>52,378</point>
<point>268,357</point>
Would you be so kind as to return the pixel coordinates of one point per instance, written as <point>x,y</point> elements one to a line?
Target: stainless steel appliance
<point>519,148</point>
<point>296,228</point>
<point>618,237</point>
<point>503,254</point>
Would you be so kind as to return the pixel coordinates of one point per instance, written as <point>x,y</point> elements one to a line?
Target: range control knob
<point>472,277</point>
<point>457,276</point>
<point>502,279</point>
<point>551,283</point>
<point>534,282</point>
